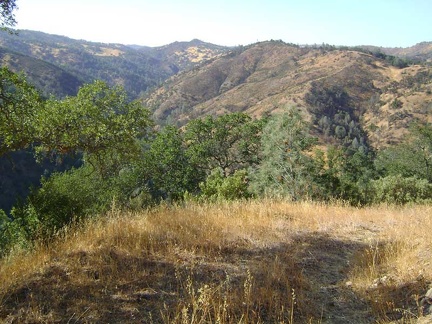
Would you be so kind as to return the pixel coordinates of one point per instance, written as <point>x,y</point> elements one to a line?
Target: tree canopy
<point>7,17</point>
<point>99,122</point>
<point>19,105</point>
<point>228,142</point>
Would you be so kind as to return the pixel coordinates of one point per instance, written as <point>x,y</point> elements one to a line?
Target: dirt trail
<point>326,262</point>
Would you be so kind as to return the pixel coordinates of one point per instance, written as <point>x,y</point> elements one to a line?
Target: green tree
<point>99,122</point>
<point>167,169</point>
<point>412,158</point>
<point>7,17</point>
<point>64,197</point>
<point>395,189</point>
<point>20,103</point>
<point>345,173</point>
<point>229,142</point>
<point>217,186</point>
<point>287,166</point>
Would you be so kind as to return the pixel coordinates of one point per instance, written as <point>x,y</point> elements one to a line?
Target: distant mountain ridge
<point>186,80</point>
<point>421,51</point>
<point>136,68</point>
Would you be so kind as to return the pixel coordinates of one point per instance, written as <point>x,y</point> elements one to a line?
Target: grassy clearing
<point>241,262</point>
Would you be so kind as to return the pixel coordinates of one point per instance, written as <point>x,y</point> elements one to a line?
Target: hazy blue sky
<point>394,23</point>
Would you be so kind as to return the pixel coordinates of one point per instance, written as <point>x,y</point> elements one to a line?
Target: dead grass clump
<point>394,270</point>
<point>193,263</point>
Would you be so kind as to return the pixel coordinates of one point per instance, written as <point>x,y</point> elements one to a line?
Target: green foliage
<point>335,116</point>
<point>99,122</point>
<point>103,126</point>
<point>7,17</point>
<point>219,187</point>
<point>3,219</point>
<point>286,167</point>
<point>356,173</point>
<point>229,142</point>
<point>70,196</point>
<point>166,168</point>
<point>65,197</point>
<point>344,174</point>
<point>327,101</point>
<point>412,158</point>
<point>20,231</point>
<point>19,104</point>
<point>395,189</point>
<point>4,237</point>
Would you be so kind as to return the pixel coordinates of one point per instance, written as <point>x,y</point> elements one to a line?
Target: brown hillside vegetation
<point>268,76</point>
<point>242,262</point>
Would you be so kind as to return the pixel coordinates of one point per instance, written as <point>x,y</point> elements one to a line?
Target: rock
<point>426,303</point>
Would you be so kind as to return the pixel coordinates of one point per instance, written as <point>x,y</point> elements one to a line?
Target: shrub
<point>231,187</point>
<point>63,198</point>
<point>396,189</point>
<point>18,231</point>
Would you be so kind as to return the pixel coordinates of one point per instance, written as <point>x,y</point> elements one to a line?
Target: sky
<point>387,23</point>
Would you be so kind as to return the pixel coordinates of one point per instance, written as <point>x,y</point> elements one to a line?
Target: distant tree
<point>7,17</point>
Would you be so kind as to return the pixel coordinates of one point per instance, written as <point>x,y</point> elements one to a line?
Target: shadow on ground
<point>308,275</point>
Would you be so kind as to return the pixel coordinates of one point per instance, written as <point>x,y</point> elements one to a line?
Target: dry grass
<point>242,262</point>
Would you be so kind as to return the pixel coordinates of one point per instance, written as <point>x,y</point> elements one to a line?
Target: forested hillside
<point>58,66</point>
<point>268,119</point>
<point>136,68</point>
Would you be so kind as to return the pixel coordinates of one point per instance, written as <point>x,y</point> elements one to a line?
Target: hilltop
<point>264,77</point>
<point>421,52</point>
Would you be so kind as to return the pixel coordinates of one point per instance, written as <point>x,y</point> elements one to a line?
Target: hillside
<point>352,97</point>
<point>267,76</point>
<point>58,66</point>
<point>421,51</point>
<point>137,68</point>
<point>243,262</point>
<point>185,80</point>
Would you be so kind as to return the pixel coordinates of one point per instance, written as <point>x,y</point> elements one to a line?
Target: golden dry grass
<point>241,262</point>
